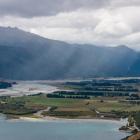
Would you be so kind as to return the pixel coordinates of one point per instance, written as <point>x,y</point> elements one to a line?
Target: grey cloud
<point>31,8</point>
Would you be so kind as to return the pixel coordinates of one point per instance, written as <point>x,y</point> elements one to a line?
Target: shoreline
<point>55,119</point>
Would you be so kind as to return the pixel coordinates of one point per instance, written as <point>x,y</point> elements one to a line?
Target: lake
<point>54,130</point>
<point>60,130</point>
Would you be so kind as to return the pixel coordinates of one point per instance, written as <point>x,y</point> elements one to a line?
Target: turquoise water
<point>59,130</point>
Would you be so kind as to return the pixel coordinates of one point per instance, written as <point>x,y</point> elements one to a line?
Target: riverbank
<point>23,88</point>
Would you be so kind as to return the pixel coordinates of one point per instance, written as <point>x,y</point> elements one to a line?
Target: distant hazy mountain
<point>27,56</point>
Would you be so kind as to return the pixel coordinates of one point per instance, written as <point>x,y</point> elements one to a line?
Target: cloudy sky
<point>100,22</point>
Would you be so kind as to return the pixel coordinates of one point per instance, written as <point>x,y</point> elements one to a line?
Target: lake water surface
<point>60,130</point>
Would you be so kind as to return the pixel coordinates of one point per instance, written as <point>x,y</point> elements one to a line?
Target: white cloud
<point>121,3</point>
<point>112,25</point>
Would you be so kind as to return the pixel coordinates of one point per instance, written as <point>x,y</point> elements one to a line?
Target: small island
<point>5,84</point>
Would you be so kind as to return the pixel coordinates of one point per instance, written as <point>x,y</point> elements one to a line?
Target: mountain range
<point>27,56</point>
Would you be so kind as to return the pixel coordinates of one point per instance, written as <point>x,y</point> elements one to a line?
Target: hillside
<point>28,56</point>
<point>133,137</point>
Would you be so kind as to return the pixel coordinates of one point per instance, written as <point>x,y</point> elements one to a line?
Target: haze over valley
<point>27,56</point>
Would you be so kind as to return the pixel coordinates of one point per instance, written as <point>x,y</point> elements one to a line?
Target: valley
<point>89,99</point>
